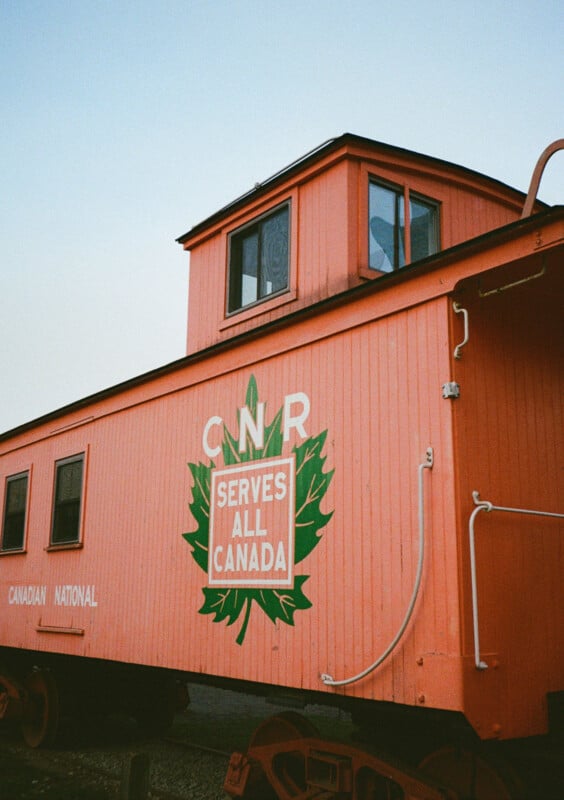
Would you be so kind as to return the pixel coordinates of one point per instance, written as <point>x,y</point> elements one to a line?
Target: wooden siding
<point>374,386</point>
<point>372,365</point>
<point>330,232</point>
<point>509,425</point>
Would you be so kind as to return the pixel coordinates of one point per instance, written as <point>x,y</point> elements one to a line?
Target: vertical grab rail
<point>485,505</point>
<point>327,679</point>
<point>458,309</point>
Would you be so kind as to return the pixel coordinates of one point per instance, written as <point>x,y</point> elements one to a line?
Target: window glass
<point>68,495</point>
<point>249,268</point>
<point>259,260</point>
<point>386,210</point>
<point>13,527</point>
<point>423,228</point>
<point>387,221</point>
<point>274,253</point>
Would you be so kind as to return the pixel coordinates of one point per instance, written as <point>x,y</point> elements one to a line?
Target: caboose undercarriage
<point>396,755</point>
<point>44,691</point>
<point>398,752</point>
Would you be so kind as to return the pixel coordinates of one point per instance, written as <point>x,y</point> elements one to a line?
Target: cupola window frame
<point>259,259</point>
<point>399,226</point>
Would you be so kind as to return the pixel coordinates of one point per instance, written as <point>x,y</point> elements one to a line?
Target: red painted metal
<point>40,718</point>
<point>297,764</point>
<point>537,175</point>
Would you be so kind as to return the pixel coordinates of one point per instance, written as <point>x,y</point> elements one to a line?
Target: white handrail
<point>327,679</point>
<point>485,505</point>
<point>459,310</point>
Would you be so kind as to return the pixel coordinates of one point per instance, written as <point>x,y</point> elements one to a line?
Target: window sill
<point>370,274</point>
<point>19,551</point>
<point>260,307</point>
<point>53,548</point>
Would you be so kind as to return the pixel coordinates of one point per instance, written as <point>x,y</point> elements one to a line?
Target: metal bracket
<point>451,390</point>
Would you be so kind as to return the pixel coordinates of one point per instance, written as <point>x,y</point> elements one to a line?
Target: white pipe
<point>327,679</point>
<point>459,310</point>
<point>485,505</point>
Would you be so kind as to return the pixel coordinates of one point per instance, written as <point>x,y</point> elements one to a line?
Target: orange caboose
<point>349,490</point>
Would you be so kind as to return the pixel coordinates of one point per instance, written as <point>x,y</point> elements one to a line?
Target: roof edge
<point>435,261</point>
<point>319,152</point>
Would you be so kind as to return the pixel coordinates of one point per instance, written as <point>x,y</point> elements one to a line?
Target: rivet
<point>419,661</point>
<point>421,699</point>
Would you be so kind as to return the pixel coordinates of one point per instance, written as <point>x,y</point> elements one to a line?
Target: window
<point>393,241</point>
<point>259,260</point>
<point>68,496</point>
<point>15,504</point>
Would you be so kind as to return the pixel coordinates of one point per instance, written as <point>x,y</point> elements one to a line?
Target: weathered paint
<point>509,439</point>
<point>329,230</point>
<point>368,369</point>
<point>364,387</point>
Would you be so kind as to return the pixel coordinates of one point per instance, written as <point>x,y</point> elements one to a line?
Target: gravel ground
<point>95,772</point>
<point>90,766</point>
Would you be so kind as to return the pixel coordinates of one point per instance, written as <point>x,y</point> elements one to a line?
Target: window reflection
<point>259,260</point>
<point>387,221</point>
<point>423,229</point>
<point>386,209</point>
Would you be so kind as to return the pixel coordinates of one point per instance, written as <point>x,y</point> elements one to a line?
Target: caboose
<point>348,492</point>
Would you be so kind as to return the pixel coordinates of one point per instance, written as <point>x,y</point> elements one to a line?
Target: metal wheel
<point>41,709</point>
<point>472,774</point>
<point>369,785</point>
<point>282,728</point>
<point>286,770</point>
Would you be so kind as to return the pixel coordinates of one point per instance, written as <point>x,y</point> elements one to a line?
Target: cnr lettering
<point>295,412</point>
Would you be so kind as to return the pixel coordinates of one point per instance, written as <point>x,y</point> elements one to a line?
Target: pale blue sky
<point>125,123</point>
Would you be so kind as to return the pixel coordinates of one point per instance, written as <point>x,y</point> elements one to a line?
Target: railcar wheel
<point>289,768</point>
<point>41,710</point>
<point>369,785</point>
<point>472,774</point>
<point>282,728</point>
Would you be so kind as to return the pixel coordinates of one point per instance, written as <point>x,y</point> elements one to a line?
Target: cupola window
<point>259,259</point>
<point>397,238</point>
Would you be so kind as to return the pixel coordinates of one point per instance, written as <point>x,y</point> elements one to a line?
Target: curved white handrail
<point>327,679</point>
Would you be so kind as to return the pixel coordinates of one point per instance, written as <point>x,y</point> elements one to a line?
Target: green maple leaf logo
<point>228,604</point>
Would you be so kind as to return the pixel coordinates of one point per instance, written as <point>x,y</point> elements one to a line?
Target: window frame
<point>277,297</point>
<point>4,550</point>
<point>405,191</point>
<point>401,193</point>
<point>67,544</point>
<point>418,197</point>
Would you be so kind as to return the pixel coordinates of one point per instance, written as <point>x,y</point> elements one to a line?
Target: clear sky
<point>122,124</point>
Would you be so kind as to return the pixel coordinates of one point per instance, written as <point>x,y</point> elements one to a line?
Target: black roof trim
<point>464,249</point>
<point>316,154</point>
